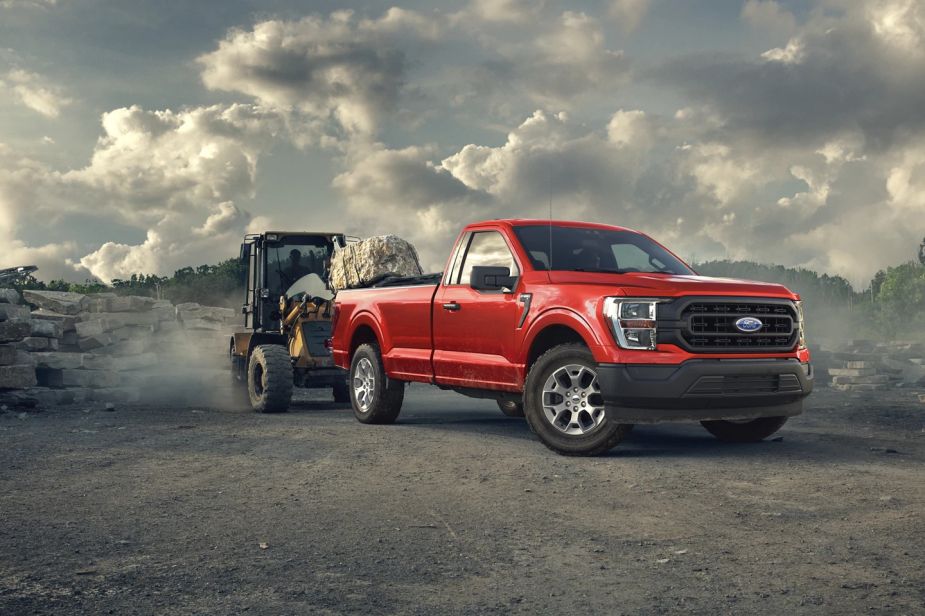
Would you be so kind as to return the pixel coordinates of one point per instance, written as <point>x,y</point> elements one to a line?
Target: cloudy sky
<point>145,136</point>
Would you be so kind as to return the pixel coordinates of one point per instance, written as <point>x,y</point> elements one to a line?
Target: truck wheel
<point>376,398</point>
<point>511,408</point>
<point>341,392</point>
<point>749,431</point>
<point>563,403</point>
<point>269,379</point>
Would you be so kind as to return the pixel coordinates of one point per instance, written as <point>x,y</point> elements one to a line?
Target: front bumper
<point>705,389</point>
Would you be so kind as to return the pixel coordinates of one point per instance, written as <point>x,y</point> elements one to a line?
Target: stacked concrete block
<point>104,347</point>
<point>17,370</point>
<point>864,365</point>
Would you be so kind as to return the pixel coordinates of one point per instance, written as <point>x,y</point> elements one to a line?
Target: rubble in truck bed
<point>60,348</point>
<point>865,365</point>
<point>368,261</point>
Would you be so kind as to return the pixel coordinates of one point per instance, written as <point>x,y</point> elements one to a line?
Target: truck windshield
<point>588,249</point>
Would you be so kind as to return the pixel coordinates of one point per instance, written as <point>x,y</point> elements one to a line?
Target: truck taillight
<point>334,316</point>
<point>632,322</point>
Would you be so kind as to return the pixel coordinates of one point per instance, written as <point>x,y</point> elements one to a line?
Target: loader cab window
<point>292,258</point>
<point>486,248</point>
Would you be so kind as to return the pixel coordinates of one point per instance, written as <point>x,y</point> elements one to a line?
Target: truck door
<point>474,330</point>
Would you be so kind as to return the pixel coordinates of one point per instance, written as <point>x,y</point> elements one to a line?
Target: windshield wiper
<point>597,270</point>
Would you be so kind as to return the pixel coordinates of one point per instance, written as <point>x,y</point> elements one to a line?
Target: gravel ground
<point>457,510</point>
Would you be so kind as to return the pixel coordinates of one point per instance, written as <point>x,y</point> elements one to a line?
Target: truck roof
<point>519,222</point>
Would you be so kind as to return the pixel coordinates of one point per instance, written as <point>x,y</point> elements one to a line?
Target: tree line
<point>892,306</point>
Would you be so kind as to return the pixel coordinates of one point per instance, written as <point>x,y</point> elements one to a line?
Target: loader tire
<point>269,379</point>
<point>376,398</point>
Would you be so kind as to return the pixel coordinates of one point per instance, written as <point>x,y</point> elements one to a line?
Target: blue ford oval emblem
<point>748,324</point>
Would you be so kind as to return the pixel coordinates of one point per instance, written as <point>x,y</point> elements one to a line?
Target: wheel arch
<point>554,328</point>
<point>364,330</point>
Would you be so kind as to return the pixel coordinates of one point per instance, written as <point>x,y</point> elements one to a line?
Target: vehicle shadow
<point>681,440</point>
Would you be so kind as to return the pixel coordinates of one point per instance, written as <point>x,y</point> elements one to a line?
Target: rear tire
<point>746,431</point>
<point>511,408</point>
<point>574,424</point>
<point>376,398</point>
<point>341,392</point>
<point>238,381</point>
<point>269,379</point>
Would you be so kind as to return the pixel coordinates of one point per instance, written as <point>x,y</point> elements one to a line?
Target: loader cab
<point>281,263</point>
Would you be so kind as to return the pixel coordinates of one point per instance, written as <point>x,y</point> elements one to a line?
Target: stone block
<point>852,371</point>
<point>130,303</point>
<point>203,324</point>
<point>45,329</point>
<point>96,327</point>
<point>47,397</point>
<point>14,330</point>
<point>94,342</point>
<point>7,354</point>
<point>25,358</point>
<point>127,319</point>
<point>17,377</point>
<point>92,361</point>
<point>77,378</point>
<point>99,302</point>
<point>860,365</point>
<point>67,322</point>
<point>851,380</point>
<point>60,361</point>
<point>133,346</point>
<point>35,343</point>
<point>860,387</point>
<point>135,362</point>
<point>13,311</point>
<point>69,339</point>
<point>117,394</point>
<point>10,296</point>
<point>61,302</point>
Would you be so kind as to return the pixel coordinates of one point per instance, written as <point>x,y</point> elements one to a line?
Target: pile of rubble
<point>59,348</point>
<point>864,365</point>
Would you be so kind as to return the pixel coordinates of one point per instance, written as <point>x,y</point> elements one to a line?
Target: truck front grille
<point>709,325</point>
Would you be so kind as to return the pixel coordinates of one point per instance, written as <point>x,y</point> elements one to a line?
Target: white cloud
<point>768,15</point>
<point>628,14</point>
<point>338,68</point>
<point>178,175</point>
<point>34,91</point>
<point>11,4</point>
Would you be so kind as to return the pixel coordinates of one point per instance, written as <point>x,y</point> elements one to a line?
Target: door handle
<point>451,306</point>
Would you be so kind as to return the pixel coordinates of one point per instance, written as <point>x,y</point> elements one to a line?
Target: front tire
<point>563,403</point>
<point>269,379</point>
<point>376,398</point>
<point>744,431</point>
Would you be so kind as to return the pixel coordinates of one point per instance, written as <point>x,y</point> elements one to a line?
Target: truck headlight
<point>801,323</point>
<point>632,322</point>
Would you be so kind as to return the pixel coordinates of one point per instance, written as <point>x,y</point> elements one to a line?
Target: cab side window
<point>486,248</point>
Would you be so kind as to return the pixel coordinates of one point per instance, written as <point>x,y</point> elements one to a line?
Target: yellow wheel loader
<point>287,320</point>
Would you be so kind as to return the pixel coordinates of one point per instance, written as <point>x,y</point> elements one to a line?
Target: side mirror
<point>245,252</point>
<point>485,278</point>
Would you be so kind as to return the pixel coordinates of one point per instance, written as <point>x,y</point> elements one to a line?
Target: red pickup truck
<point>586,329</point>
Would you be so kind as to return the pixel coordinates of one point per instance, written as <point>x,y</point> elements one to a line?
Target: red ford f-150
<point>586,329</point>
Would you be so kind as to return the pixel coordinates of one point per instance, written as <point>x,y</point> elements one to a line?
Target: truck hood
<point>663,285</point>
